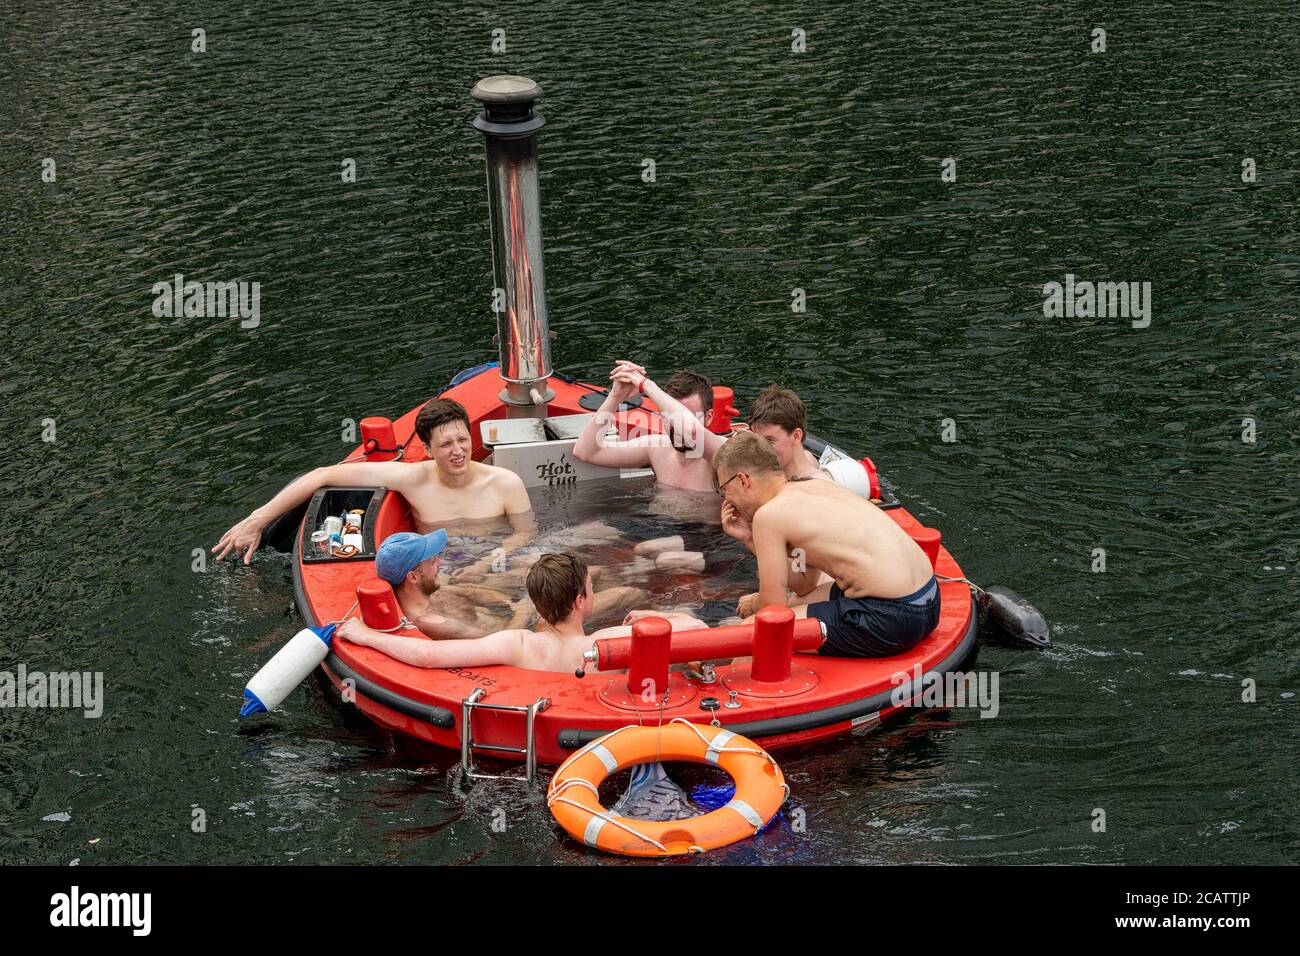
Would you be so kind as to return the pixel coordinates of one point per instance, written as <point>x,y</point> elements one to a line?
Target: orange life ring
<point>574,793</point>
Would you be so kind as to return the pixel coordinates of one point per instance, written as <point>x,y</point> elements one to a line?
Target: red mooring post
<point>723,410</point>
<point>377,440</point>
<point>378,605</point>
<point>647,667</point>
<point>773,644</point>
<point>929,539</point>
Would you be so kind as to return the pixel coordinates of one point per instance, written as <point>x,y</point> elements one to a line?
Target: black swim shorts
<point>876,627</point>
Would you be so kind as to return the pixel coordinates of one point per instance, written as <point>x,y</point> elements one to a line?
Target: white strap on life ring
<point>714,748</point>
<point>590,833</point>
<point>717,745</point>
<point>745,810</point>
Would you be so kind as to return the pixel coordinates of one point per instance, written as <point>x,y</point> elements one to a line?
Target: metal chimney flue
<point>510,128</point>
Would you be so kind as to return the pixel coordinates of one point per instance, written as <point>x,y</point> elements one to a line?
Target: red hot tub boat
<point>777,699</point>
<point>770,693</point>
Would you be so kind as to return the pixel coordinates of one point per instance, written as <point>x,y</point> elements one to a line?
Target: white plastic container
<point>849,474</point>
<point>286,670</point>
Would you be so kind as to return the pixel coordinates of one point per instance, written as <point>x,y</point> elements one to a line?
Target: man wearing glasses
<point>884,597</point>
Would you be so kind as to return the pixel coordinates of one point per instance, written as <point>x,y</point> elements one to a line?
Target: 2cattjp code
<point>1198,899</point>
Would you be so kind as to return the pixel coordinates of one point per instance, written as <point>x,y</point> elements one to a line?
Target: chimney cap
<point>505,88</point>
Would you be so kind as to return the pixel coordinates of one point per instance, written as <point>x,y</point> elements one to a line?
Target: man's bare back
<point>551,650</point>
<point>845,536</point>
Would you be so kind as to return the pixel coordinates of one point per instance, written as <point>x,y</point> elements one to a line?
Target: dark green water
<point>775,170</point>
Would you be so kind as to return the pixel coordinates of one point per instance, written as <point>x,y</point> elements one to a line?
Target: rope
<point>402,624</point>
<point>659,728</point>
<point>614,820</point>
<point>575,782</point>
<point>556,793</point>
<point>737,750</point>
<point>724,749</point>
<point>974,587</point>
<point>347,612</point>
<point>400,449</point>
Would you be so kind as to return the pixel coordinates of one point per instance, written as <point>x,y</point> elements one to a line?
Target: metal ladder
<point>468,746</point>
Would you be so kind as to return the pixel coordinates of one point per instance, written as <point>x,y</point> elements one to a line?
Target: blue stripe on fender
<point>466,374</point>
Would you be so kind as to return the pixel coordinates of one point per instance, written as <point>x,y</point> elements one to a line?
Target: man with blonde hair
<point>884,597</point>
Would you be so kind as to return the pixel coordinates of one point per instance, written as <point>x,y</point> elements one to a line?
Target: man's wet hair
<point>554,582</point>
<point>747,452</point>
<point>436,413</point>
<point>775,405</point>
<point>686,383</point>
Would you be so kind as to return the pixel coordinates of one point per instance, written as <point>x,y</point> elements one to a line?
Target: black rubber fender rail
<point>429,713</point>
<point>573,738</point>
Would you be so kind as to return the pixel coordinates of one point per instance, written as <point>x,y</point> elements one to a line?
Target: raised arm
<point>503,647</point>
<point>682,418</point>
<point>594,450</point>
<point>246,535</point>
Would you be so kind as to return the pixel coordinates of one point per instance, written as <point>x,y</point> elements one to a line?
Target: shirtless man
<point>560,586</point>
<point>460,610</point>
<point>779,415</point>
<point>884,597</point>
<point>450,485</point>
<point>680,456</point>
<point>411,564</point>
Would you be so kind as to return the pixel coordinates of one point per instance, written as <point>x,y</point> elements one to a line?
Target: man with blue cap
<point>411,564</point>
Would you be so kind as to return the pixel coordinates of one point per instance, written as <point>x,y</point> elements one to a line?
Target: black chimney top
<point>507,105</point>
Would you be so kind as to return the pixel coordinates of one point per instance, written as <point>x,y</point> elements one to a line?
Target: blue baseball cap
<point>403,552</point>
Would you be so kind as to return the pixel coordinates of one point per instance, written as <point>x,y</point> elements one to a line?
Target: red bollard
<point>872,477</point>
<point>723,410</point>
<point>377,439</point>
<point>378,605</point>
<point>647,669</point>
<point>773,643</point>
<point>928,539</point>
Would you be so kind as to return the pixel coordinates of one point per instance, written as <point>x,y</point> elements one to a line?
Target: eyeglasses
<point>727,482</point>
